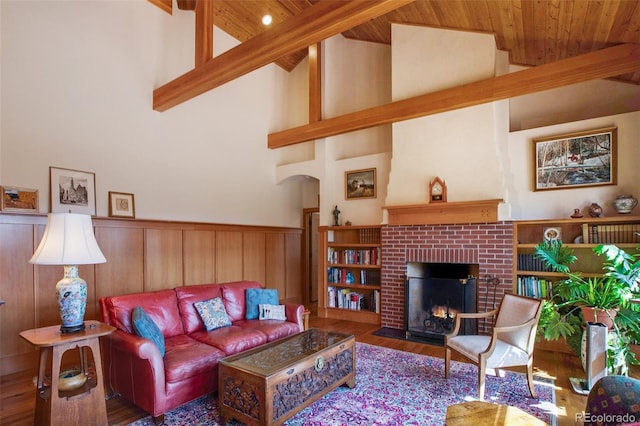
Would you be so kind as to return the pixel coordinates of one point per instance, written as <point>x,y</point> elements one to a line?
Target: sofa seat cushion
<point>187,296</point>
<point>186,357</point>
<point>273,329</point>
<point>231,339</point>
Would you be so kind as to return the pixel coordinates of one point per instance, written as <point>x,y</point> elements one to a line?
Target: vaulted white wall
<point>77,83</point>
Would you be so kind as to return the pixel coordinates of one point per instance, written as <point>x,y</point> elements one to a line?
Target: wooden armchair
<point>510,345</point>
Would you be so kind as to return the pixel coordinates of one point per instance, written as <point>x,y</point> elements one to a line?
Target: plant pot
<point>605,317</point>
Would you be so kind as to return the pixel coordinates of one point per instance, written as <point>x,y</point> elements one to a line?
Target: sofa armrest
<point>295,313</point>
<point>133,362</point>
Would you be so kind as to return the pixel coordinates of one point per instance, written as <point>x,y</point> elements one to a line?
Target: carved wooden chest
<point>269,384</point>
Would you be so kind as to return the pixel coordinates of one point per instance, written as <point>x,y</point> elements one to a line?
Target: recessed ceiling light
<point>266,19</point>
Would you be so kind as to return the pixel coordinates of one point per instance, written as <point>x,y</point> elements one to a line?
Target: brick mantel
<point>490,245</point>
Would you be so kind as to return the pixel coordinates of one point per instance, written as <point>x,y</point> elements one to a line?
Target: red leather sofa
<point>134,366</point>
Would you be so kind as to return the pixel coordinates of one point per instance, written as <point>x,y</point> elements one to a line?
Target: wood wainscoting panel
<point>228,256</point>
<point>199,256</point>
<point>17,291</point>
<point>123,272</point>
<point>162,259</point>
<point>253,255</point>
<point>142,255</point>
<point>275,267</point>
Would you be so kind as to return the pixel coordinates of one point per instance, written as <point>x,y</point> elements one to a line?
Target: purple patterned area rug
<point>394,388</point>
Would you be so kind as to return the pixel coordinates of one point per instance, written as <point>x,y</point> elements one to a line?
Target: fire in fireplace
<point>434,294</point>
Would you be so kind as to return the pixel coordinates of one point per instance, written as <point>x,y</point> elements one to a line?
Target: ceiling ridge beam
<point>603,63</point>
<point>321,21</point>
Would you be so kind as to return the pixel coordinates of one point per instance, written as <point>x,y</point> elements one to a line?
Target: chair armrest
<point>295,313</point>
<point>461,316</point>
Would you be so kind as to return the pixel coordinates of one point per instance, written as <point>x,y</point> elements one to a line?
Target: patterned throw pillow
<point>257,296</point>
<point>144,326</point>
<point>213,313</point>
<point>275,312</point>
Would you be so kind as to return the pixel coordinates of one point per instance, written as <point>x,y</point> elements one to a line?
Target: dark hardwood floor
<point>17,398</point>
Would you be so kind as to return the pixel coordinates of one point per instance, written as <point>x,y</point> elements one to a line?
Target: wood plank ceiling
<point>534,32</point>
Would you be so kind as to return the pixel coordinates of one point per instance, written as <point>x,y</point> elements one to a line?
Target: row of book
<point>347,276</point>
<point>528,262</point>
<point>611,234</point>
<point>354,257</point>
<point>369,236</point>
<point>534,287</point>
<point>344,298</point>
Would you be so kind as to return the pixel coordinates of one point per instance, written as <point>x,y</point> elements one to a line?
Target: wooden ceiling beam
<point>323,20</point>
<point>204,32</point>
<point>604,63</point>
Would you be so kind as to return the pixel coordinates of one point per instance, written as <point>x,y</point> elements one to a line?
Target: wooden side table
<point>85,405</point>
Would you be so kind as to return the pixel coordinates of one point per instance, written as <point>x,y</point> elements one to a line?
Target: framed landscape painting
<point>575,160</point>
<point>72,191</point>
<point>360,184</point>
<point>15,199</point>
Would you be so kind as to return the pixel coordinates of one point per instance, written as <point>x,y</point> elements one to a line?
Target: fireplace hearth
<point>434,295</point>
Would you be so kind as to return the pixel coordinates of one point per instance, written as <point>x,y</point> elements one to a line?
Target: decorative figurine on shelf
<point>347,223</point>
<point>336,216</point>
<point>576,214</point>
<point>625,203</point>
<point>595,210</point>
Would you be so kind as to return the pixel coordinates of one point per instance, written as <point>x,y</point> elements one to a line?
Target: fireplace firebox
<point>434,294</point>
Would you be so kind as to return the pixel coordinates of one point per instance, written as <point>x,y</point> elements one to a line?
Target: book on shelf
<point>346,299</point>
<point>370,236</point>
<point>532,286</point>
<point>528,262</point>
<point>353,256</point>
<point>611,233</point>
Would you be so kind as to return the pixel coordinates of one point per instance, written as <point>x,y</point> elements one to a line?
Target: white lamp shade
<point>68,240</point>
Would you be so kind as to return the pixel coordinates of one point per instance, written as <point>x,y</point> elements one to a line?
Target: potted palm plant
<point>605,298</point>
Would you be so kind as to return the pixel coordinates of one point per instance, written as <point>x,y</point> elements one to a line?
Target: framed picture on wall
<point>15,199</point>
<point>72,191</point>
<point>360,184</point>
<point>575,160</point>
<point>121,205</point>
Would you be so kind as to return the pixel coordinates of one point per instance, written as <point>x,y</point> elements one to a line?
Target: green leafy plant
<point>561,314</point>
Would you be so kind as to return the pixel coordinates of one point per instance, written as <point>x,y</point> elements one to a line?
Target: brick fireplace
<point>489,245</point>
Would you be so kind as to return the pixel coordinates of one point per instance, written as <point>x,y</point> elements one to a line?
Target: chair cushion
<point>257,296</point>
<point>271,312</point>
<point>213,313</point>
<point>144,326</point>
<point>232,339</point>
<point>504,354</point>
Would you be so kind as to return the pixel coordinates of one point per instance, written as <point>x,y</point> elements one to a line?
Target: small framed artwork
<point>15,199</point>
<point>72,191</point>
<point>360,184</point>
<point>575,160</point>
<point>121,205</point>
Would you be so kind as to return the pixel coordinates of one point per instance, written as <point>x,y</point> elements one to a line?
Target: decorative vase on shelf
<point>625,203</point>
<point>595,210</point>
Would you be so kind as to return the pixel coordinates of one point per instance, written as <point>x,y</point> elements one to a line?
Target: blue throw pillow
<point>213,313</point>
<point>259,296</point>
<point>144,326</point>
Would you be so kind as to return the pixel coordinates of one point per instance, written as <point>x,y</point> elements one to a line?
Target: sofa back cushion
<point>190,294</point>
<point>161,306</point>
<point>233,294</point>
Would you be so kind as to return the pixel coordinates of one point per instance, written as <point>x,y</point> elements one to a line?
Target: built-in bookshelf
<point>350,273</point>
<point>532,278</point>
